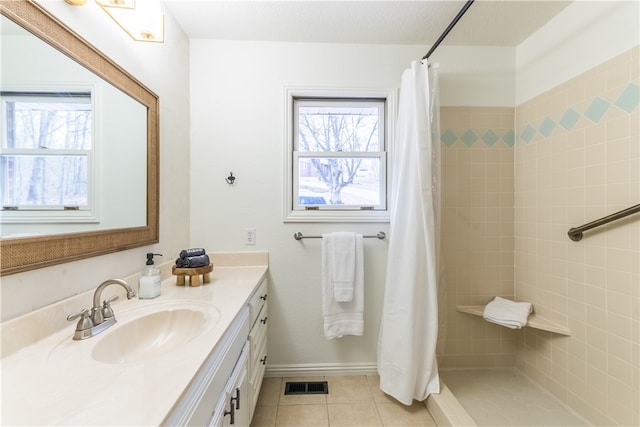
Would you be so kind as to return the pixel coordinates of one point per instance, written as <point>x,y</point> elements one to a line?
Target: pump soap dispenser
<point>150,283</point>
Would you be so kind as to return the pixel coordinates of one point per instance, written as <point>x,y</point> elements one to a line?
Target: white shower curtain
<point>409,327</point>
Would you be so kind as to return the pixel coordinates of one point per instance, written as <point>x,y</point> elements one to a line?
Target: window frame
<point>55,214</point>
<point>293,212</point>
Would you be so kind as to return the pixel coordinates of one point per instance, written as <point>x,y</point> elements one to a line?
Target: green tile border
<point>628,100</point>
<point>473,137</point>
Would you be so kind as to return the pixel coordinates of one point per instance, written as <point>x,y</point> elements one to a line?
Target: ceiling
<point>486,23</point>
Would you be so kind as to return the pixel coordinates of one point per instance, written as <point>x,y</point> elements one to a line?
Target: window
<point>46,158</point>
<point>338,159</point>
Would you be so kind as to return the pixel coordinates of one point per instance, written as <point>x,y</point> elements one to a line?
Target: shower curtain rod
<point>453,23</point>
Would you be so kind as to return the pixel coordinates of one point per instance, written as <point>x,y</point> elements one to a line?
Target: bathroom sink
<point>142,337</point>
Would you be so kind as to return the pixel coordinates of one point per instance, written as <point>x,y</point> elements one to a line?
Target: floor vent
<point>315,387</point>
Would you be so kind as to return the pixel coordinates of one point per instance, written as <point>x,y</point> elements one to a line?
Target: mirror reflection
<point>104,137</point>
<point>73,156</point>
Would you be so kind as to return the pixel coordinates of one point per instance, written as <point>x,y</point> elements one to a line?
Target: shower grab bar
<point>575,233</point>
<point>299,236</point>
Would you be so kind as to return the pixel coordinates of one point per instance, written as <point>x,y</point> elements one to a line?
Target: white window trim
<point>89,214</point>
<point>335,215</point>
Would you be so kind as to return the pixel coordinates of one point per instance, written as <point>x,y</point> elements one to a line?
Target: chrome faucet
<point>100,317</point>
<point>98,312</point>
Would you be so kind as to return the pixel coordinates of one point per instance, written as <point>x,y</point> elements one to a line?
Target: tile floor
<point>352,401</point>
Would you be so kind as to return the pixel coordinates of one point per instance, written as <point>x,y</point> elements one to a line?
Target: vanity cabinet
<point>258,342</point>
<point>200,401</point>
<point>233,408</point>
<point>219,359</point>
<point>225,390</point>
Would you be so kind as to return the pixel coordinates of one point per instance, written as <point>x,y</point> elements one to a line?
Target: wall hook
<point>230,179</point>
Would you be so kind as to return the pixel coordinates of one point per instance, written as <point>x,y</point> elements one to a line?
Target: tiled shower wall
<point>577,159</point>
<point>477,229</point>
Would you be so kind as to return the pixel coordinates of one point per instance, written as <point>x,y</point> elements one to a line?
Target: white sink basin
<point>144,333</point>
<point>151,335</point>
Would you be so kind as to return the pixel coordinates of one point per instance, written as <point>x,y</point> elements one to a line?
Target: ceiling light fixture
<point>129,4</point>
<point>143,20</point>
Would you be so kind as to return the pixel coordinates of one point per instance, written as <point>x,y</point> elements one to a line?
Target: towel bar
<point>299,236</point>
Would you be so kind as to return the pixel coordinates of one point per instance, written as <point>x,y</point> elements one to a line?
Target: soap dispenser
<point>150,283</point>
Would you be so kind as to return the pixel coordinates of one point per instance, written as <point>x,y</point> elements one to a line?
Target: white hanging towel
<point>342,284</point>
<point>507,313</point>
<point>343,253</point>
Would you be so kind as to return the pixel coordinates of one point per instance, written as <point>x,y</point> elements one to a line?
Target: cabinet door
<point>240,399</point>
<point>220,411</point>
<point>235,411</point>
<point>257,300</point>
<point>258,359</point>
<point>201,399</point>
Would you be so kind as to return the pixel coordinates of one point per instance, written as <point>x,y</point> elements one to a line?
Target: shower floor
<point>506,397</point>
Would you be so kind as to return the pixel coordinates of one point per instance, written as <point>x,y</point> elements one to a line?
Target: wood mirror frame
<point>23,254</point>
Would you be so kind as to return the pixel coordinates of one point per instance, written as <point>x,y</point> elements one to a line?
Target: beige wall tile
<point>572,177</point>
<point>510,209</point>
<point>479,249</point>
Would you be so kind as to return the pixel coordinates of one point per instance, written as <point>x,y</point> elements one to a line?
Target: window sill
<point>336,216</point>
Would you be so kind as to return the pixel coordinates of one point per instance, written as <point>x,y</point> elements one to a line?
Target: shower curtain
<point>409,327</point>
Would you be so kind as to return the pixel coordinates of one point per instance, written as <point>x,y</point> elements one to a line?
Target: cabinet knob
<point>263,297</point>
<point>264,360</point>
<point>264,321</point>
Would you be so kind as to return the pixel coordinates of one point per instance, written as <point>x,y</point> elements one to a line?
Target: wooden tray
<point>193,273</point>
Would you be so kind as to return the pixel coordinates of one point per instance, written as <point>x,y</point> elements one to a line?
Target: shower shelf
<point>534,321</point>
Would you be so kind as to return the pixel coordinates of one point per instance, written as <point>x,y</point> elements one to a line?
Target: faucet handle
<point>84,322</point>
<point>84,313</point>
<point>107,311</point>
<point>110,300</point>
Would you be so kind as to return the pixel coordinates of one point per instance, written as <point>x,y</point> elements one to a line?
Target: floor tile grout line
<point>375,403</point>
<point>275,421</point>
<point>326,409</point>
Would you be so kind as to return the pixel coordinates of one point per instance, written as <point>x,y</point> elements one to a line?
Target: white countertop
<point>55,381</point>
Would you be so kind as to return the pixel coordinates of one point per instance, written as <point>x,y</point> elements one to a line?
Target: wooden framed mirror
<point>18,254</point>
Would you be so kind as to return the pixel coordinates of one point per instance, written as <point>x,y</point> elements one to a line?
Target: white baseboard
<point>320,369</point>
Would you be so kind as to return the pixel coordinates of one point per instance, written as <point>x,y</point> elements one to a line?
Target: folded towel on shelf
<point>342,317</point>
<point>193,261</point>
<point>507,313</point>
